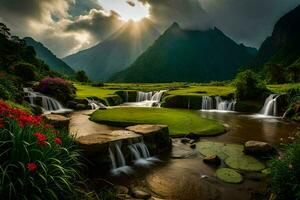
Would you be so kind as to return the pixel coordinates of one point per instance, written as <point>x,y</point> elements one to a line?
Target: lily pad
<point>232,154</point>
<point>229,175</point>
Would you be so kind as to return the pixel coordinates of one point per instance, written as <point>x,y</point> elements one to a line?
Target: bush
<point>81,76</point>
<point>7,90</point>
<point>58,88</point>
<point>25,71</point>
<point>285,173</point>
<point>36,161</point>
<point>249,86</point>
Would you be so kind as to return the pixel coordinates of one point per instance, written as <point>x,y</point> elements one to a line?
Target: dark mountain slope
<point>186,55</point>
<point>116,52</point>
<point>49,58</point>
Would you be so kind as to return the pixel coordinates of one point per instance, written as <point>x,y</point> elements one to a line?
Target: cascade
<point>270,106</point>
<point>48,104</point>
<point>207,103</point>
<point>95,104</point>
<point>225,104</point>
<point>146,99</point>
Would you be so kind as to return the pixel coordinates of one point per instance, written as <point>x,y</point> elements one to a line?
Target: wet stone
<point>213,160</point>
<point>140,194</point>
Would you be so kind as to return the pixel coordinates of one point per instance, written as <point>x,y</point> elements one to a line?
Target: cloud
<point>98,23</point>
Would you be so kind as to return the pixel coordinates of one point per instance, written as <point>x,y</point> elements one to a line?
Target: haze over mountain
<point>49,58</point>
<point>116,52</point>
<point>188,55</point>
<point>281,51</point>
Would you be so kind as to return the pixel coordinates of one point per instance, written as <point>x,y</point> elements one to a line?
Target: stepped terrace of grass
<point>180,121</point>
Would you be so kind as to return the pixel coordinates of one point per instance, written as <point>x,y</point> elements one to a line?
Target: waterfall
<point>146,99</point>
<point>95,104</point>
<point>126,96</point>
<point>48,104</point>
<point>221,105</point>
<point>207,103</point>
<point>270,106</point>
<point>225,104</point>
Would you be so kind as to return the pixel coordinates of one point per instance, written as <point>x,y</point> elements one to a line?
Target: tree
<point>275,73</point>
<point>81,76</point>
<point>4,30</point>
<point>294,73</point>
<point>249,85</point>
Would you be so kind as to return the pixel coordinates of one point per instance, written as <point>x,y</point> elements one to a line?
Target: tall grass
<point>36,161</point>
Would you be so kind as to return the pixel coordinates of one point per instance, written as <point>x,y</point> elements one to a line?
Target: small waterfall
<point>48,104</point>
<point>270,106</point>
<point>220,104</point>
<point>95,104</point>
<point>147,99</point>
<point>225,104</point>
<point>207,103</point>
<point>126,96</point>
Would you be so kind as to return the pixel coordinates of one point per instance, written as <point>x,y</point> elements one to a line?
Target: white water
<point>95,104</point>
<point>146,99</point>
<point>217,104</point>
<point>270,106</point>
<point>117,159</point>
<point>48,104</point>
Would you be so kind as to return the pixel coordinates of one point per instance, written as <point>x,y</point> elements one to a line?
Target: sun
<point>128,10</point>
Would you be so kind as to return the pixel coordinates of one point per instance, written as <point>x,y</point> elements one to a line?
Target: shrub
<point>285,173</point>
<point>25,70</point>
<point>58,88</point>
<point>7,90</point>
<point>249,85</point>
<point>81,76</point>
<point>36,161</point>
<point>98,84</point>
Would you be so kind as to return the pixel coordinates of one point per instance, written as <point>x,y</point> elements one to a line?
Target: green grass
<point>204,90</point>
<point>84,91</point>
<point>283,88</point>
<point>180,121</point>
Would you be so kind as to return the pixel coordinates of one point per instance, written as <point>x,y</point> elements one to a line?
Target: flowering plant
<point>36,160</point>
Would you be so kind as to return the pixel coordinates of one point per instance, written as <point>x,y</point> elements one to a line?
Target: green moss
<point>180,121</point>
<point>229,175</point>
<point>282,88</point>
<point>232,154</point>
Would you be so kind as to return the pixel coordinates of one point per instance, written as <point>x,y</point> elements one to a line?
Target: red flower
<point>55,132</point>
<point>48,126</point>
<point>57,141</point>
<point>41,138</point>
<point>31,166</point>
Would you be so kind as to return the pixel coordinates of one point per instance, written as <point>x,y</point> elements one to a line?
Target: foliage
<point>180,122</point>
<point>7,90</point>
<point>285,173</point>
<point>59,88</point>
<point>24,70</point>
<point>36,161</point>
<point>81,76</point>
<point>249,85</point>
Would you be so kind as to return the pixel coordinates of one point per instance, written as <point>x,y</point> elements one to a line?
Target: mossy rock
<point>229,175</point>
<point>232,154</point>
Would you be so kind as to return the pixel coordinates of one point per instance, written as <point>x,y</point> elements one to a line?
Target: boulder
<point>121,189</point>
<point>258,148</point>
<point>213,160</point>
<point>140,194</point>
<point>58,121</point>
<point>156,137</point>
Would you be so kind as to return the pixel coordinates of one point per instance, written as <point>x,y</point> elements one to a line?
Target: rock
<point>213,159</point>
<point>123,196</point>
<point>185,140</point>
<point>193,136</point>
<point>140,194</point>
<point>229,175</point>
<point>80,106</point>
<point>258,148</point>
<point>58,121</point>
<point>156,137</point>
<point>193,146</point>
<point>121,189</point>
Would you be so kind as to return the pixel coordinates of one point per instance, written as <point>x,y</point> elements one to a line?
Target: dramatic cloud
<point>67,26</point>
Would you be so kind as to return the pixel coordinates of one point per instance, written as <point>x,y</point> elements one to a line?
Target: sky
<point>68,26</point>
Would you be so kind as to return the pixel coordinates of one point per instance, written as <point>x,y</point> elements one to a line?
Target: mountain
<point>282,48</point>
<point>188,55</point>
<point>116,52</point>
<point>49,58</point>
